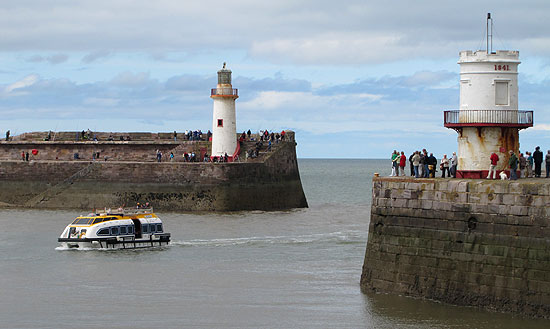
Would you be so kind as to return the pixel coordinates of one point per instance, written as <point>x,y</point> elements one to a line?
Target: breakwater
<point>127,172</point>
<point>466,242</point>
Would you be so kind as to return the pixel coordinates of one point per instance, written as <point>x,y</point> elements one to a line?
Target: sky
<point>354,79</point>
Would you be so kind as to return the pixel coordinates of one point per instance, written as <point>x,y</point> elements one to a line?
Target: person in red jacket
<point>494,160</point>
<point>402,163</point>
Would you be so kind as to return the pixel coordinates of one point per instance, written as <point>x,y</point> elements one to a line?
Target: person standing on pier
<point>411,163</point>
<point>522,165</point>
<point>547,164</point>
<point>402,163</point>
<point>445,166</point>
<point>529,164</point>
<point>537,157</point>
<point>416,163</point>
<point>426,163</point>
<point>513,162</point>
<point>494,160</point>
<point>454,164</point>
<point>394,163</point>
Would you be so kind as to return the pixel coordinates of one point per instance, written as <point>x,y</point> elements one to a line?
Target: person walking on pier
<point>513,162</point>
<point>547,164</point>
<point>537,157</point>
<point>159,156</point>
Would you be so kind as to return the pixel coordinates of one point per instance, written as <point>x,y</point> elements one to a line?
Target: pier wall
<point>271,182</point>
<point>108,150</point>
<point>465,242</point>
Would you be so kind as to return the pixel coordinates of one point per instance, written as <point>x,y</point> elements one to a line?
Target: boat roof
<point>120,212</point>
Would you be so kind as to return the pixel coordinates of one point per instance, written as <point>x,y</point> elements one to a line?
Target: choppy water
<point>294,269</point>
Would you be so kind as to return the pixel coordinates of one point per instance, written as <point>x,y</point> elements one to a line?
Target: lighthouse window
<point>220,122</point>
<point>501,93</point>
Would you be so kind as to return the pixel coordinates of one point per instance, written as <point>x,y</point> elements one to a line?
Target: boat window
<point>103,231</point>
<point>81,221</point>
<point>145,228</point>
<point>130,230</point>
<point>97,220</point>
<point>123,230</point>
<point>114,230</point>
<point>159,228</point>
<point>152,228</point>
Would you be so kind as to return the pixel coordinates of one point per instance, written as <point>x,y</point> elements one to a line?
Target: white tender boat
<point>125,228</point>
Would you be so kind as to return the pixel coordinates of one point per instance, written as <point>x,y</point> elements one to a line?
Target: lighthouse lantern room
<point>488,119</point>
<point>224,128</point>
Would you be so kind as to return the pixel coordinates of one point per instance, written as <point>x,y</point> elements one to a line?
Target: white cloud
<point>25,82</point>
<point>303,32</point>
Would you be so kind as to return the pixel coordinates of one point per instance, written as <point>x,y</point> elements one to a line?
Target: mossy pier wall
<point>53,179</point>
<point>466,242</point>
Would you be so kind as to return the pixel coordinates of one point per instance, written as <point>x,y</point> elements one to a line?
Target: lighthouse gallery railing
<point>224,92</point>
<point>510,118</point>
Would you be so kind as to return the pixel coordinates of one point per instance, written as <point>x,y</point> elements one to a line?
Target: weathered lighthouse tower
<point>488,120</point>
<point>224,128</point>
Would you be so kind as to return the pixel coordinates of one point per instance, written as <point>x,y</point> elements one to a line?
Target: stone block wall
<point>271,184</point>
<point>113,151</point>
<point>467,242</point>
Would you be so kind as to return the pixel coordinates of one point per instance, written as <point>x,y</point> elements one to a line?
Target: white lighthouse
<point>488,119</point>
<point>224,127</point>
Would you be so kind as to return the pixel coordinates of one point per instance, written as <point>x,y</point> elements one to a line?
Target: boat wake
<point>346,237</point>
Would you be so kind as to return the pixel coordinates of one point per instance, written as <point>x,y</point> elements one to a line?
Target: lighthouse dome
<point>224,76</point>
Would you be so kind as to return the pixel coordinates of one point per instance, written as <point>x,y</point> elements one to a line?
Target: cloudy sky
<point>354,79</point>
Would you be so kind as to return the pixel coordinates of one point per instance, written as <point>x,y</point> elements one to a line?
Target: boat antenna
<point>489,34</point>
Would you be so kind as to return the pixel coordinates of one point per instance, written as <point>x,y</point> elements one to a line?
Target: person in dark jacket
<point>513,162</point>
<point>537,158</point>
<point>411,162</point>
<point>432,163</point>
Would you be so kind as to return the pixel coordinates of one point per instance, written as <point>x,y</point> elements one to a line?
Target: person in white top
<point>445,166</point>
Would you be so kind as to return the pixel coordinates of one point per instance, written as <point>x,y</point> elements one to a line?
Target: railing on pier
<point>488,118</point>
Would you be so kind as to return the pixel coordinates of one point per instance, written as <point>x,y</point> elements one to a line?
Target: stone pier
<point>466,242</point>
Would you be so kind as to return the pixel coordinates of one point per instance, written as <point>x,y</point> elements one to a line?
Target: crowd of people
<point>425,165</point>
<point>529,164</point>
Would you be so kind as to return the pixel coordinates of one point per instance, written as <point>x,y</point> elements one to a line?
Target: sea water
<point>288,269</point>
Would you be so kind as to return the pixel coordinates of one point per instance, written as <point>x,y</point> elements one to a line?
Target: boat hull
<point>155,240</point>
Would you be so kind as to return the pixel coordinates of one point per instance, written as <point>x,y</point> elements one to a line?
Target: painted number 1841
<point>502,67</point>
